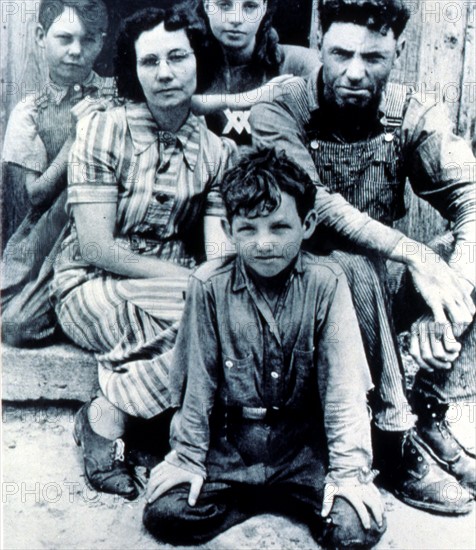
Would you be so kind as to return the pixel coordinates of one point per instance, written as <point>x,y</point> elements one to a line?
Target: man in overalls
<point>360,138</point>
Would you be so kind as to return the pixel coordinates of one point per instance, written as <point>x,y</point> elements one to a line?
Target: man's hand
<point>433,346</point>
<point>446,292</point>
<point>362,496</point>
<point>165,476</point>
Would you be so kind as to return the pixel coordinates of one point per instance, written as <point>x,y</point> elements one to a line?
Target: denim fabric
<point>457,384</point>
<point>438,166</point>
<point>437,163</point>
<point>223,505</point>
<point>304,362</point>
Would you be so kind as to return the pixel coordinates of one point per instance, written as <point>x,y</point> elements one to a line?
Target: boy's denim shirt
<point>305,362</point>
<point>41,122</point>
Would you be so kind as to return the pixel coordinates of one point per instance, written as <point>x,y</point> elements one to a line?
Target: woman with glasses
<point>240,63</point>
<point>143,195</point>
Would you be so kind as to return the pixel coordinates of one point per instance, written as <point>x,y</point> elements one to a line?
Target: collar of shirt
<point>241,279</point>
<point>314,81</point>
<point>57,93</point>
<point>145,131</point>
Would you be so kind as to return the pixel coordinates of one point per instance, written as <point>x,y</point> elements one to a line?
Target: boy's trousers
<point>253,468</point>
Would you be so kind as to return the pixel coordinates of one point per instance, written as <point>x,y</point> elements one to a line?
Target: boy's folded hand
<point>89,105</point>
<point>165,476</point>
<point>362,496</point>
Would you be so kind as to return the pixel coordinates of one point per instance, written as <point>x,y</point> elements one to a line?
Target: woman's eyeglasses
<point>173,59</point>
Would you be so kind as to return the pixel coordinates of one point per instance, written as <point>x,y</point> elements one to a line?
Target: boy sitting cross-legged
<point>270,378</point>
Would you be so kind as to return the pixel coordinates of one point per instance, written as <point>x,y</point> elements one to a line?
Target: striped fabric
<point>371,176</point>
<point>116,158</point>
<point>428,153</point>
<point>368,173</point>
<point>458,384</point>
<point>372,302</point>
<point>163,185</point>
<point>131,325</point>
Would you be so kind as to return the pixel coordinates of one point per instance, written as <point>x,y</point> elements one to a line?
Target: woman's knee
<point>345,530</point>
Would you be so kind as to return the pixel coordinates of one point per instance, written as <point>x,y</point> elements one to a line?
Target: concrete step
<point>63,371</point>
<point>55,372</point>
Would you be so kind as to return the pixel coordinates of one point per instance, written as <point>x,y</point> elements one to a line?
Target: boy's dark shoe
<point>104,463</point>
<point>435,435</point>
<point>410,472</point>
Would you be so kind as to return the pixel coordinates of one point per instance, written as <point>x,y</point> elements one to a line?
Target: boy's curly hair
<point>376,15</point>
<point>254,185</point>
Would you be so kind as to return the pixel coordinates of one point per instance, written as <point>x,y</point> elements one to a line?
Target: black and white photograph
<point>238,279</point>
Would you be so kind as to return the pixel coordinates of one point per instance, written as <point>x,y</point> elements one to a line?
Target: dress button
<point>275,375</point>
<point>228,363</point>
<point>314,144</point>
<point>76,87</point>
<point>161,198</point>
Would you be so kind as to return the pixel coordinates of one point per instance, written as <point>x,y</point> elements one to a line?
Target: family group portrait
<point>238,274</point>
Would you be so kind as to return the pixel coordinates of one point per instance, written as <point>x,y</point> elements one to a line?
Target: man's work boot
<point>413,476</point>
<point>438,440</point>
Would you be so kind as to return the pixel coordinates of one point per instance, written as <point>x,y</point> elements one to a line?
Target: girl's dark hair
<point>254,185</point>
<point>376,15</point>
<point>125,61</point>
<point>266,57</point>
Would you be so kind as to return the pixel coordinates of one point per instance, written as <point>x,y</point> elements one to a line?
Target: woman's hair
<point>254,186</point>
<point>376,15</point>
<point>125,61</point>
<point>267,55</point>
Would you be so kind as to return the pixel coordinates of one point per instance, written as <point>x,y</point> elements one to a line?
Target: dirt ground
<point>47,505</point>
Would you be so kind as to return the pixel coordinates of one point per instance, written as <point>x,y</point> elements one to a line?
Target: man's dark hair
<point>376,15</point>
<point>92,13</point>
<point>174,19</point>
<point>254,185</point>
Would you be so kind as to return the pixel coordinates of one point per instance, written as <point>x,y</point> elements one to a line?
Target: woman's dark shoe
<point>104,463</point>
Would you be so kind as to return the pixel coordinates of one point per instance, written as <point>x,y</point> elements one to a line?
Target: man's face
<point>356,64</point>
<point>70,49</point>
<point>268,244</point>
<point>166,67</point>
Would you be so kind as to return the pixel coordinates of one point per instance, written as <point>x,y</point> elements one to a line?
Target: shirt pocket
<point>303,390</point>
<point>240,382</point>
